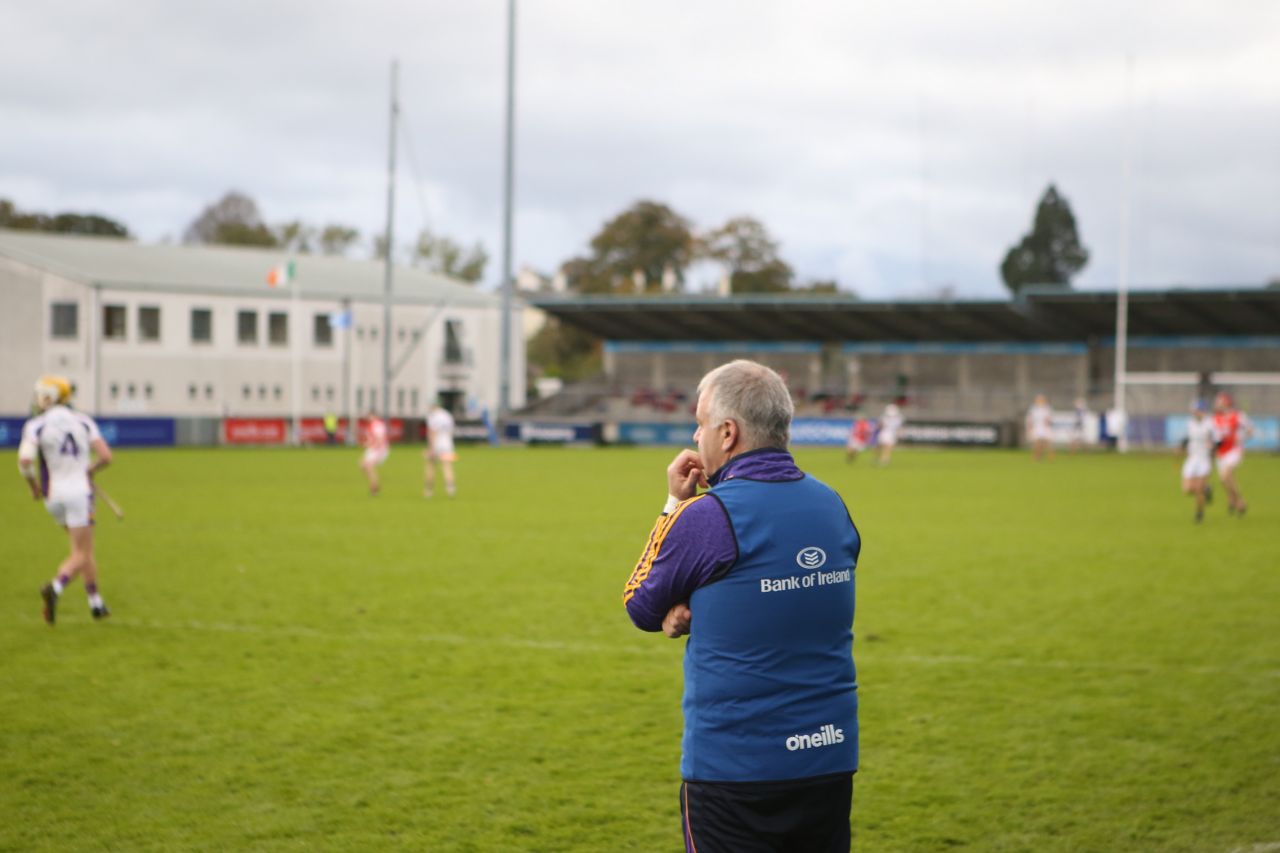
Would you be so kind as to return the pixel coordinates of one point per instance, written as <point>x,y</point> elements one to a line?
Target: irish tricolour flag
<point>281,275</point>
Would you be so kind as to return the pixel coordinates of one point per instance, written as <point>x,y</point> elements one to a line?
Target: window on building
<point>208,391</point>
<point>275,392</point>
<point>201,326</point>
<point>413,400</point>
<point>278,328</point>
<point>360,400</point>
<point>246,392</point>
<point>132,391</point>
<point>359,333</point>
<point>373,399</point>
<point>148,323</point>
<point>400,333</point>
<point>315,393</point>
<point>247,327</point>
<point>262,392</point>
<point>453,342</point>
<point>147,391</point>
<point>328,393</point>
<point>400,400</point>
<point>115,390</point>
<point>64,320</point>
<point>192,391</point>
<point>373,333</point>
<point>115,326</point>
<point>321,331</point>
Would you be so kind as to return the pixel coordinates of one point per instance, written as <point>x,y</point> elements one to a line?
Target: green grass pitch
<point>1051,657</point>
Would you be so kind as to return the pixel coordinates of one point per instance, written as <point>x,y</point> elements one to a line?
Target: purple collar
<point>766,463</point>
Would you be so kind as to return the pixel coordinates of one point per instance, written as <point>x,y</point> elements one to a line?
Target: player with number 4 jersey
<point>60,451</point>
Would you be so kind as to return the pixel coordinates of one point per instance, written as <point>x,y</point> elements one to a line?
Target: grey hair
<point>754,397</point>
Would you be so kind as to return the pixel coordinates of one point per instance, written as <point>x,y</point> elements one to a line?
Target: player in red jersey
<point>1232,428</point>
<point>859,438</point>
<point>377,446</point>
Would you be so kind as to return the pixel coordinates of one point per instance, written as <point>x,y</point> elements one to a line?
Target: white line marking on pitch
<point>1112,666</point>
<point>1269,847</point>
<point>649,648</point>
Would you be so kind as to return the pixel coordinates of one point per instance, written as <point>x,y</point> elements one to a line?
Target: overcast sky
<point>896,147</point>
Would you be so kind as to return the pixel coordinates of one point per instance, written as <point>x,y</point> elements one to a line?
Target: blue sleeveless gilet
<point>770,689</point>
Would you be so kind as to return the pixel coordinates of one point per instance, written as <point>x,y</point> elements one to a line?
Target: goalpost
<point>1157,402</point>
<point>1161,397</point>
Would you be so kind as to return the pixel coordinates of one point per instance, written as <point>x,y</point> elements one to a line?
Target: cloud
<point>895,147</point>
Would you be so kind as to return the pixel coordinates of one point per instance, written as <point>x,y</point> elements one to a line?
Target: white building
<point>195,331</point>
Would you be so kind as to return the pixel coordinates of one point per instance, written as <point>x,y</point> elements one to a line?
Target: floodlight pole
<point>389,260</point>
<point>1122,284</point>
<point>504,374</point>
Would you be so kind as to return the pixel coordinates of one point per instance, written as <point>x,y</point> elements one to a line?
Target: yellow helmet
<point>52,390</point>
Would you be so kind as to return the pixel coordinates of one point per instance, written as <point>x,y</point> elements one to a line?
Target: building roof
<point>1038,316</point>
<point>113,263</point>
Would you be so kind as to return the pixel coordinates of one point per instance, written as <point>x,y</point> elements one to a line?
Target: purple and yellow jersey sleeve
<point>686,549</point>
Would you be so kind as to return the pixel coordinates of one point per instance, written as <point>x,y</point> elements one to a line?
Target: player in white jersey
<point>887,437</point>
<point>1040,428</point>
<point>439,449</point>
<point>377,447</point>
<point>58,455</point>
<point>1201,438</point>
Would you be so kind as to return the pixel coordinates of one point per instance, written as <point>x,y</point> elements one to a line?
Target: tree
<point>639,245</point>
<point>564,351</point>
<point>233,219</point>
<point>296,236</point>
<point>820,286</point>
<point>750,255</point>
<point>585,275</point>
<point>1051,253</point>
<point>337,239</point>
<point>59,223</point>
<point>447,257</point>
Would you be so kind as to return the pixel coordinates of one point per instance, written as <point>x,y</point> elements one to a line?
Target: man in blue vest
<point>758,571</point>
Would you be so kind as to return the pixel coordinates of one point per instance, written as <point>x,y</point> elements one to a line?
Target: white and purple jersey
<point>60,440</point>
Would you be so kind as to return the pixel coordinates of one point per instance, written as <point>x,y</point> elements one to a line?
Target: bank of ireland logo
<point>812,557</point>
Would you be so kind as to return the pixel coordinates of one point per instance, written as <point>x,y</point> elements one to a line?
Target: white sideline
<point>1269,847</point>
<point>641,647</point>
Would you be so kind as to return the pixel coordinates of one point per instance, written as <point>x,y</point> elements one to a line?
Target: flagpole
<point>346,367</point>
<point>295,394</point>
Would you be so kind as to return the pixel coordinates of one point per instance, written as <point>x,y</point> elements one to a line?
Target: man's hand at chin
<point>685,474</point>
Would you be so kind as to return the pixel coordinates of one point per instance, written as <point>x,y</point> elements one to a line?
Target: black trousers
<point>803,816</point>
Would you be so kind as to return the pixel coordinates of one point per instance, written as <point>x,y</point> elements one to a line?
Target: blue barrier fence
<point>118,432</point>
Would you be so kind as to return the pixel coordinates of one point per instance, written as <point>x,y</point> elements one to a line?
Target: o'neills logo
<point>828,735</point>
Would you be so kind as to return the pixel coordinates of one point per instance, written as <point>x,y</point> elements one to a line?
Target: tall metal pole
<point>390,247</point>
<point>94,323</point>
<point>295,358</point>
<point>346,369</point>
<point>504,383</point>
<point>1122,289</point>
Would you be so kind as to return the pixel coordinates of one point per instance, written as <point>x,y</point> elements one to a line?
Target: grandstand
<point>944,361</point>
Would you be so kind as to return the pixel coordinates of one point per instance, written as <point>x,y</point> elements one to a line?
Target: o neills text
<point>828,735</point>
